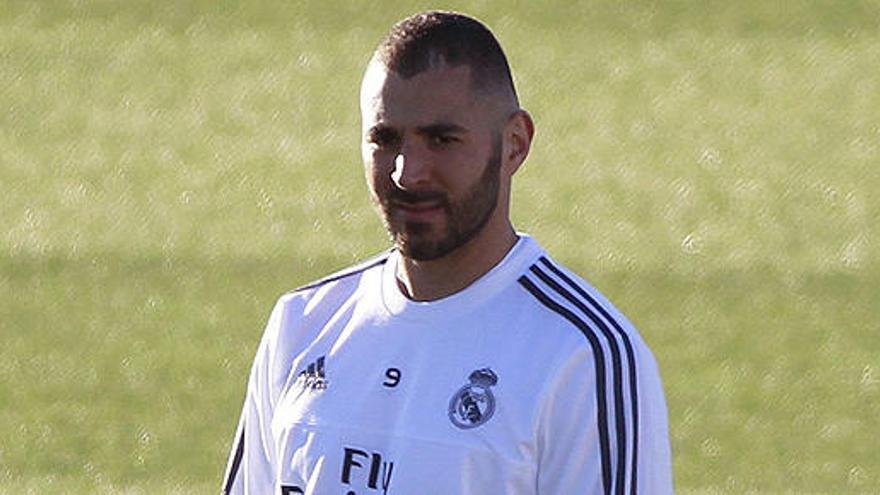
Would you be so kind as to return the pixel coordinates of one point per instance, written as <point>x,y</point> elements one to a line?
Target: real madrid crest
<point>474,403</point>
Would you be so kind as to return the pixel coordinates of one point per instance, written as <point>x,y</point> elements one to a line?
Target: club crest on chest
<point>474,403</point>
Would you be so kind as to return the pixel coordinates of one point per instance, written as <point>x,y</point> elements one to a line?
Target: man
<point>465,360</point>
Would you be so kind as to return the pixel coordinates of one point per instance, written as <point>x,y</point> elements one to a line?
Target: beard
<point>465,217</point>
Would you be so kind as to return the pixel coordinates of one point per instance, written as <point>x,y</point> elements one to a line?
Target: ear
<point>518,134</point>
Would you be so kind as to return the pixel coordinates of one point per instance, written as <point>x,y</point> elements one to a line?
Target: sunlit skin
<point>427,143</point>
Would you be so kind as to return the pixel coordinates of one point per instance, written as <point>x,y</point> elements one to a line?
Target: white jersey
<point>526,382</point>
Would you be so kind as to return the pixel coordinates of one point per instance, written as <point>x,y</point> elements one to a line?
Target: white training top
<point>528,381</point>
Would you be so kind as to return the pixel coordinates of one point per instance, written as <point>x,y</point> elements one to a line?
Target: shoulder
<point>299,314</point>
<point>345,274</point>
<point>608,345</point>
<point>325,295</point>
<point>565,300</point>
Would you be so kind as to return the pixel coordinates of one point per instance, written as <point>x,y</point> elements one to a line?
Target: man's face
<point>432,158</point>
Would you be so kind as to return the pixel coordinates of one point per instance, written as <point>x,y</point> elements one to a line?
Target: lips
<point>419,211</point>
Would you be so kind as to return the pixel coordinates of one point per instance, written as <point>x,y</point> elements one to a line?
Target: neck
<point>435,279</point>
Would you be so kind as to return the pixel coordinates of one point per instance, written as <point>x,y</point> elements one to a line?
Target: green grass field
<point>167,169</point>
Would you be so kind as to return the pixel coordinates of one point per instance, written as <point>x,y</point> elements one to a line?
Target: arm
<point>580,439</point>
<point>251,465</point>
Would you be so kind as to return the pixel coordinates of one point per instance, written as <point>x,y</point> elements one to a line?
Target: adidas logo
<point>313,376</point>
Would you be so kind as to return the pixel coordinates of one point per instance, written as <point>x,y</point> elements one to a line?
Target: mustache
<point>397,195</point>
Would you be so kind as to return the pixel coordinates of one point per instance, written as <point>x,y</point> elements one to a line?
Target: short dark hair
<point>416,43</point>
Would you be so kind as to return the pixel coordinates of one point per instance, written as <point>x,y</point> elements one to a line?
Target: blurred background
<point>169,168</point>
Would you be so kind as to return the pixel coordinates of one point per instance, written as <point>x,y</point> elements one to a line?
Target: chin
<point>425,247</point>
<point>419,246</point>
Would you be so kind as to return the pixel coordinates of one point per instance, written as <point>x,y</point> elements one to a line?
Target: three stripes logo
<point>313,377</point>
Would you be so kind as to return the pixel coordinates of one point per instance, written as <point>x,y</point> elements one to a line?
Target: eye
<point>443,139</point>
<point>383,137</point>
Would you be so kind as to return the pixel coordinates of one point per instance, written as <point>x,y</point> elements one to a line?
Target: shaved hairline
<point>501,98</point>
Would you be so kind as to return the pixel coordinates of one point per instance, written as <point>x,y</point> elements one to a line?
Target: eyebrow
<point>441,128</point>
<point>425,130</point>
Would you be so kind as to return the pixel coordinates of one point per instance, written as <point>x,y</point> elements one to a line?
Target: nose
<point>412,169</point>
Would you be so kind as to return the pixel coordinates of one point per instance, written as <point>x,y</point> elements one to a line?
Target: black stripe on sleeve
<point>235,463</point>
<point>617,375</point>
<point>631,362</point>
<point>601,404</point>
